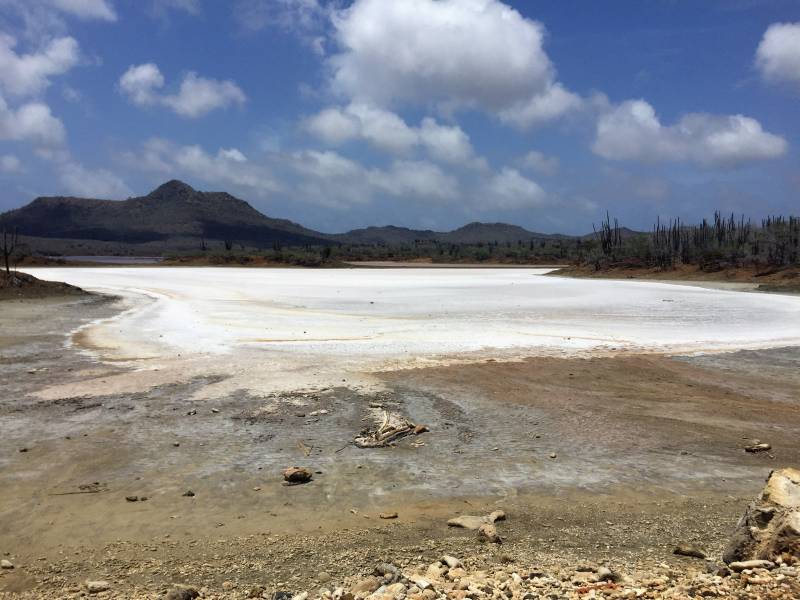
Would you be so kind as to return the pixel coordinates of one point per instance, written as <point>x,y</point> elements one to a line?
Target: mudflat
<point>613,458</point>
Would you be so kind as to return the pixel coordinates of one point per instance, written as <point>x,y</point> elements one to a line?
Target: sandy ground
<point>648,452</point>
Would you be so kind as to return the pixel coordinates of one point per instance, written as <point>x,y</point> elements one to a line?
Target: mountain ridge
<point>176,215</point>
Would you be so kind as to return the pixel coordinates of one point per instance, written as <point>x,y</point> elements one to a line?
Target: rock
<point>132,498</point>
<point>396,591</point>
<point>717,569</point>
<point>467,522</point>
<point>473,522</point>
<point>95,587</point>
<point>388,571</point>
<point>300,596</point>
<point>488,533</point>
<point>606,574</point>
<point>282,596</point>
<point>188,494</point>
<point>23,449</point>
<point>770,526</point>
<point>751,564</point>
<point>753,448</point>
<point>182,593</point>
<point>451,561</point>
<point>435,571</point>
<point>421,583</point>
<point>323,577</point>
<point>366,586</point>
<point>687,550</point>
<point>6,564</point>
<point>297,475</point>
<point>256,591</point>
<point>553,455</point>
<point>388,515</point>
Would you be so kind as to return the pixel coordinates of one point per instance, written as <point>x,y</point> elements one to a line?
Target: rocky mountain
<point>175,216</point>
<point>172,211</point>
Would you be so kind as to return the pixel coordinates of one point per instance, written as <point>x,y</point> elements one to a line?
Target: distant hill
<point>473,233</point>
<point>172,211</point>
<point>176,217</point>
<point>388,235</point>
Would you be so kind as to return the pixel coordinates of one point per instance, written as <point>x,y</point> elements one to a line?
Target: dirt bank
<point>22,286</point>
<point>784,280</point>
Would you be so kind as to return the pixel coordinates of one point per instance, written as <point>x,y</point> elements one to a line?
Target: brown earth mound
<point>16,285</point>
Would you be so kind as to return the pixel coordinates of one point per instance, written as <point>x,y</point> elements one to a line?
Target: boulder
<point>770,526</point>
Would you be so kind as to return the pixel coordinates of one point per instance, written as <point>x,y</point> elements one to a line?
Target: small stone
<point>176,444</point>
<point>366,586</point>
<point>751,564</point>
<point>132,498</point>
<point>215,410</point>
<point>606,574</point>
<point>282,596</point>
<point>553,455</point>
<point>301,596</point>
<point>451,561</point>
<point>297,475</point>
<point>488,533</point>
<point>188,494</point>
<point>95,587</point>
<point>323,577</point>
<point>757,447</point>
<point>690,551</point>
<point>6,564</point>
<point>388,515</point>
<point>23,449</point>
<point>421,583</point>
<point>387,570</point>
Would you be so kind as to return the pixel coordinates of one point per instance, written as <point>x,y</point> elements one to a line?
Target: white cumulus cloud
<point>29,74</point>
<point>389,132</point>
<point>451,54</point>
<point>196,96</point>
<point>540,162</point>
<point>32,122</point>
<point>88,183</point>
<point>510,190</point>
<point>778,54</point>
<point>228,167</point>
<point>633,131</point>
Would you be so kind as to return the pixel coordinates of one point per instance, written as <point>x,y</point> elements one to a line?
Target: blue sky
<point>421,113</point>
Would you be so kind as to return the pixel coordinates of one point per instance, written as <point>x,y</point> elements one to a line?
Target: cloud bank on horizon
<point>424,113</point>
